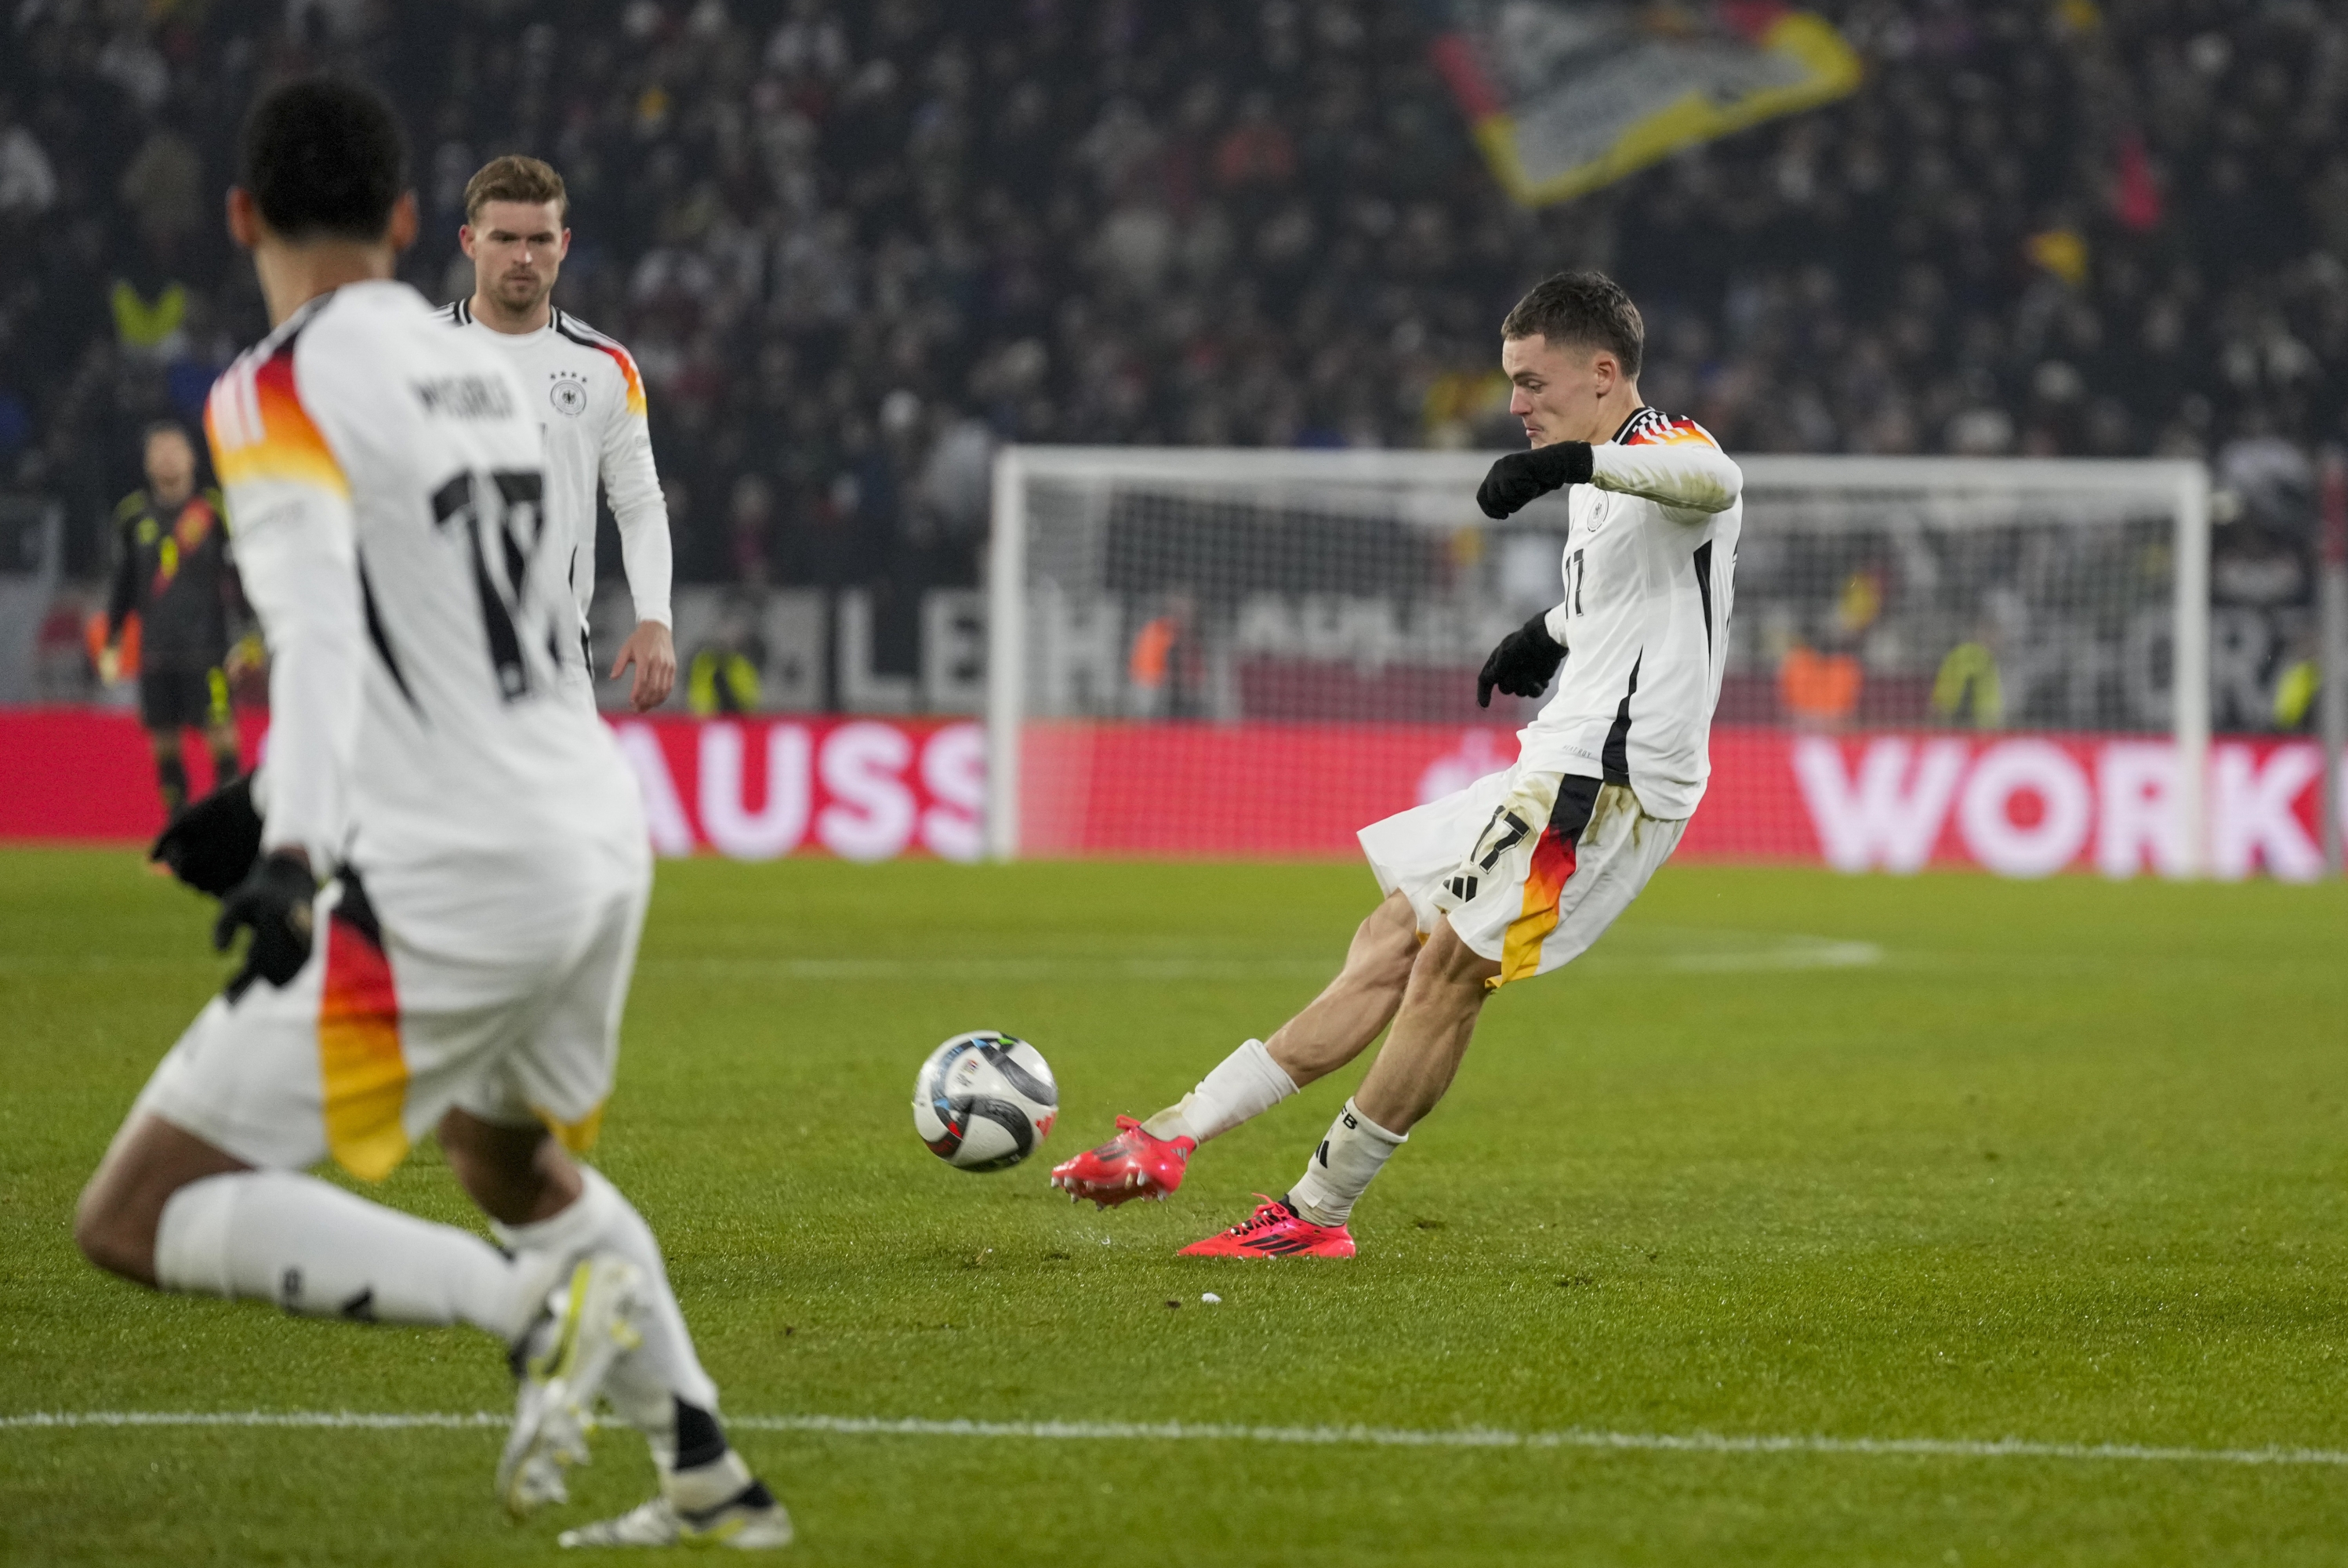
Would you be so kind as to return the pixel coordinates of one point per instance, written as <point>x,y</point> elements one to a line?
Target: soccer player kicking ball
<point>1520,873</point>
<point>446,878</point>
<point>583,389</point>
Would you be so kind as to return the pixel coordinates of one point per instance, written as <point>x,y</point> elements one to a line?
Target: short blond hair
<point>515,178</point>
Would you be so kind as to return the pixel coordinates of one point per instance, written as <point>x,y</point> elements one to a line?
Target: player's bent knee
<point>121,1210</point>
<point>517,1174</point>
<point>109,1236</point>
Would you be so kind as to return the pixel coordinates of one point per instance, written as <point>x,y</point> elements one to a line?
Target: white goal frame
<point>2178,486</point>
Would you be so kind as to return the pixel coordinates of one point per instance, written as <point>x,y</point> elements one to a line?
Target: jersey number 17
<point>503,514</point>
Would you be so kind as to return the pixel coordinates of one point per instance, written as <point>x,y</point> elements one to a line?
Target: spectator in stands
<point>28,181</point>
<point>2065,228</point>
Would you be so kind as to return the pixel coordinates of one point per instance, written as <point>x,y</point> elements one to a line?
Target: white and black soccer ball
<point>985,1100</point>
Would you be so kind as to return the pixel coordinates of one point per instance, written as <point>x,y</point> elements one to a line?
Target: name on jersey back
<point>466,397</point>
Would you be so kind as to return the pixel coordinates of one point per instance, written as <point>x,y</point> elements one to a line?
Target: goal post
<point>1254,651</point>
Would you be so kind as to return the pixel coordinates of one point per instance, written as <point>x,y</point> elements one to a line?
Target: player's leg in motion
<point>1414,1068</point>
<point>1147,1158</point>
<point>170,1209</point>
<point>283,1075</point>
<point>1550,863</point>
<point>543,1202</point>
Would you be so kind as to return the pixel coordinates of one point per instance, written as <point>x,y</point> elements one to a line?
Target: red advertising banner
<point>862,788</point>
<point>2020,805</point>
<point>89,774</point>
<point>870,788</point>
<point>755,788</point>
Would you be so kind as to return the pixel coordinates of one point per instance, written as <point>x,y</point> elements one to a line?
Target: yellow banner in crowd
<point>1565,96</point>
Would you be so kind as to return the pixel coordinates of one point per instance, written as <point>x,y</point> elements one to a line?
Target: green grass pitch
<point>2064,1163</point>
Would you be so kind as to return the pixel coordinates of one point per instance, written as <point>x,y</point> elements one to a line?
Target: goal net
<point>1255,653</point>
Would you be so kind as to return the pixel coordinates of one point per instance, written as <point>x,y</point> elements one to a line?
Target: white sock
<point>664,1367</point>
<point>1245,1084</point>
<point>317,1250</point>
<point>1342,1169</point>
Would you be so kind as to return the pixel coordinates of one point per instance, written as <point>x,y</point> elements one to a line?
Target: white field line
<point>1184,1431</point>
<point>363,1421</point>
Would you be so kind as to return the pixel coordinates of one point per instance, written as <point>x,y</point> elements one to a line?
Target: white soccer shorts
<point>364,1051</point>
<point>1541,864</point>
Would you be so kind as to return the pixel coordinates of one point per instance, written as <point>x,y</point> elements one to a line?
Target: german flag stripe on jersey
<point>361,1064</point>
<point>1653,427</point>
<point>579,332</point>
<point>1553,863</point>
<point>272,434</point>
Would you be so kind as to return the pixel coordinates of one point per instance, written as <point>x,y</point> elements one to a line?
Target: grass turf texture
<point>2064,1165</point>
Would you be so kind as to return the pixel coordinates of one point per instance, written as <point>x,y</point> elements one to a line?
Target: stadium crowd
<point>854,245</point>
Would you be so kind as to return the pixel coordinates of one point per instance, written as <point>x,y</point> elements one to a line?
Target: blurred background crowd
<point>854,245</point>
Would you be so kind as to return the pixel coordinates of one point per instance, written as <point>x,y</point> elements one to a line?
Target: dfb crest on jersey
<point>569,395</point>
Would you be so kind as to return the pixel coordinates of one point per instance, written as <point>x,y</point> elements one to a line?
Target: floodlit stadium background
<point>859,249</point>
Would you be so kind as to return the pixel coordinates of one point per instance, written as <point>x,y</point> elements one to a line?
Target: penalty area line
<point>1575,1437</point>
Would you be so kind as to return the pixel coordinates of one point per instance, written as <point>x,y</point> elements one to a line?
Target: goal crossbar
<point>2177,487</point>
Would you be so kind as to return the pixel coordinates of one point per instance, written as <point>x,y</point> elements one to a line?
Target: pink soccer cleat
<point>1133,1165</point>
<point>1275,1231</point>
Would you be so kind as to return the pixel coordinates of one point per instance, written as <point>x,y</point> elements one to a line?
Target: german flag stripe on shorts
<point>361,1066</point>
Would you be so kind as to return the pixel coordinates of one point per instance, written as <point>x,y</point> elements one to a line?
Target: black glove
<point>1523,662</point>
<point>275,901</point>
<point>210,844</point>
<point>1521,478</point>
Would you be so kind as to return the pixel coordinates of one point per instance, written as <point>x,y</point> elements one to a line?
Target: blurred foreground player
<point>446,885</point>
<point>1520,873</point>
<point>587,397</point>
<point>171,569</point>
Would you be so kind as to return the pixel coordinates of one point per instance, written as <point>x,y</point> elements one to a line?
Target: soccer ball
<point>985,1100</point>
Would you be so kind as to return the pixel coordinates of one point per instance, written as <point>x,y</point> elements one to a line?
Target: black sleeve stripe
<point>1704,588</point>
<point>586,336</point>
<point>382,640</point>
<point>1616,758</point>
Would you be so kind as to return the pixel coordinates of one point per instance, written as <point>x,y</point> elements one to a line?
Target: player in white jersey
<point>586,392</point>
<point>1520,872</point>
<point>441,865</point>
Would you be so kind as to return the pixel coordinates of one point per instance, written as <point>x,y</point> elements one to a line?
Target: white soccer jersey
<point>385,494</point>
<point>1649,566</point>
<point>588,398</point>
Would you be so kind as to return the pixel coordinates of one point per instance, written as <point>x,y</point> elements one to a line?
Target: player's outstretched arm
<point>1519,480</point>
<point>1686,472</point>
